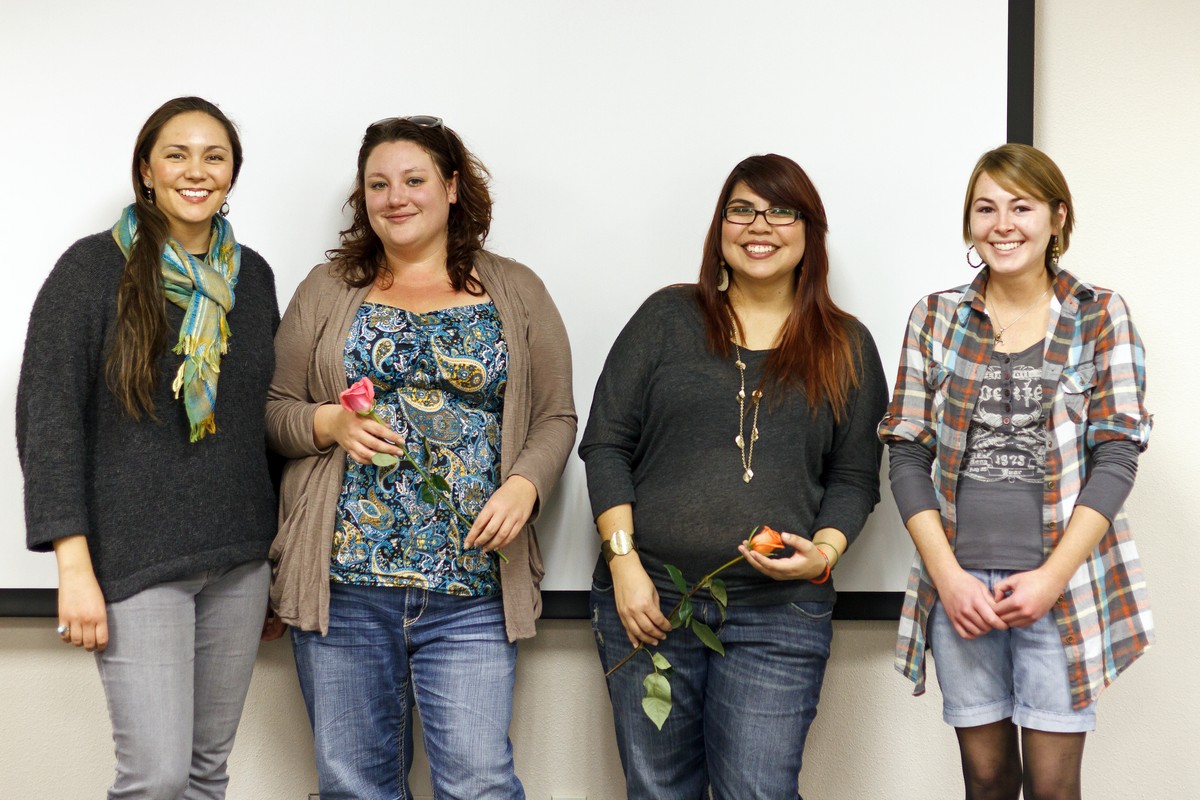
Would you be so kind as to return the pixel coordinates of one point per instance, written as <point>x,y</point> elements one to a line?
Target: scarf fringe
<point>201,429</point>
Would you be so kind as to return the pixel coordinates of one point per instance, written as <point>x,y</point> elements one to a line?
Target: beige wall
<point>1118,106</point>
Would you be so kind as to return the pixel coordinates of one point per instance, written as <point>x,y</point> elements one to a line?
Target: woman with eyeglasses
<point>145,474</point>
<point>746,399</point>
<point>1023,391</point>
<point>406,558</point>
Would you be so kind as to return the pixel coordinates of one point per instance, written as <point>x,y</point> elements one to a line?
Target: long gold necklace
<point>747,453</point>
<point>1015,320</point>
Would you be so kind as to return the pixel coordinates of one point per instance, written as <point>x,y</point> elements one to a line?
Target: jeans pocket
<point>602,593</point>
<point>812,610</point>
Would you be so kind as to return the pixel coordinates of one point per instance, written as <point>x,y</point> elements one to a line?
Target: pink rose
<point>766,541</point>
<point>360,397</point>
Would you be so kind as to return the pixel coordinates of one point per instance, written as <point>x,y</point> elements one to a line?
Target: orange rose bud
<point>766,541</point>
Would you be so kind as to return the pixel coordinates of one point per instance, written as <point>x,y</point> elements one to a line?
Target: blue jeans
<point>388,649</point>
<point>738,722</point>
<point>175,673</point>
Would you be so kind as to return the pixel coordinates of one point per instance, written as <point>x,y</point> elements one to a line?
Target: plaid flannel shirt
<point>1092,391</point>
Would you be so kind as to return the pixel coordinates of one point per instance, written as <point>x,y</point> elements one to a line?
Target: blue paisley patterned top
<point>439,381</point>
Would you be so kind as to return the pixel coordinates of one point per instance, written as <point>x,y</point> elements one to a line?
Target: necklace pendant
<point>747,475</point>
<point>739,441</point>
<point>1000,338</point>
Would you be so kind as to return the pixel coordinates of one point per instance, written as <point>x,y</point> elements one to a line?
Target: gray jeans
<point>175,673</point>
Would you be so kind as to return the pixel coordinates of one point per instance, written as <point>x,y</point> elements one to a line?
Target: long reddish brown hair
<point>818,349</point>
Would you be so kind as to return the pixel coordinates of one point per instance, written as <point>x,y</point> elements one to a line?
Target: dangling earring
<point>224,212</point>
<point>149,192</point>
<point>970,263</point>
<point>1055,251</point>
<point>722,277</point>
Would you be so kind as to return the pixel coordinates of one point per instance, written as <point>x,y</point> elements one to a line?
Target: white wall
<point>1118,106</point>
<point>607,127</point>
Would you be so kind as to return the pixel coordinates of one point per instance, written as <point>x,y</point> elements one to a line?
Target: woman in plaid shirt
<point>1022,393</point>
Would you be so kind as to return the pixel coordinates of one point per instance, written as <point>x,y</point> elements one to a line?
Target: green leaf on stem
<point>428,494</point>
<point>676,577</point>
<point>384,460</point>
<point>707,636</point>
<point>717,589</point>
<point>681,617</point>
<point>660,661</point>
<point>657,700</point>
<point>439,483</point>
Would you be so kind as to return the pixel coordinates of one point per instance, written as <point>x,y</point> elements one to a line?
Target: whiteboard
<point>608,129</point>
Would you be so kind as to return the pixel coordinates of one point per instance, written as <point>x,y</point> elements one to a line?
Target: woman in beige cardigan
<point>393,601</point>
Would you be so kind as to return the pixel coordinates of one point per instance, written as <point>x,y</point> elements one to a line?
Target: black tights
<point>993,769</point>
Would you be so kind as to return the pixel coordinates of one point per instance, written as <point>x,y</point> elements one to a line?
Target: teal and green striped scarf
<point>204,290</point>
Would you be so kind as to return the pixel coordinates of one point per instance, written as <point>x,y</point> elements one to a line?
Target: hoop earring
<point>224,212</point>
<point>970,263</point>
<point>722,278</point>
<point>1055,251</point>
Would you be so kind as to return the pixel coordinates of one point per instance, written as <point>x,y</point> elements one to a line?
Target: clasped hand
<point>1015,602</point>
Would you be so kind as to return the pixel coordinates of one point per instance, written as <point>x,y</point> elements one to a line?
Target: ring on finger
<point>63,629</point>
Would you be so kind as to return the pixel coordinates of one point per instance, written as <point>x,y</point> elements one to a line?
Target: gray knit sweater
<point>154,507</point>
<point>661,436</point>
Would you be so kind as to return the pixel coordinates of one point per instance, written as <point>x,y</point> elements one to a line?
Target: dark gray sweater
<point>154,507</point>
<point>661,436</point>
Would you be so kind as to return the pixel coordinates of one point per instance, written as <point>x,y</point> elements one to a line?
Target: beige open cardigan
<point>537,431</point>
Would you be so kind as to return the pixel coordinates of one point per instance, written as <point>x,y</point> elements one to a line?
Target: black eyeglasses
<point>420,120</point>
<point>775,216</point>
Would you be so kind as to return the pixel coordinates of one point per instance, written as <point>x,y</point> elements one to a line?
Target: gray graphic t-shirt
<point>1000,487</point>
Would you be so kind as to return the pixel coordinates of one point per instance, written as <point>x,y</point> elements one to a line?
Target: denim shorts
<point>1019,673</point>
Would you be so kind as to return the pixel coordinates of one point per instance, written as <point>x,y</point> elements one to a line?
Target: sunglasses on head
<point>420,120</point>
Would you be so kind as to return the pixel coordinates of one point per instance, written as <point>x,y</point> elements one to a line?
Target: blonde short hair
<point>1029,172</point>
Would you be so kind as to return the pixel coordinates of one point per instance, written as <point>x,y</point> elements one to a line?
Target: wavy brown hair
<point>1026,172</point>
<point>131,369</point>
<point>360,256</point>
<point>818,348</point>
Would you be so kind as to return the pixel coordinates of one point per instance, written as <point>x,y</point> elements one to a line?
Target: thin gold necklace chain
<point>1003,328</point>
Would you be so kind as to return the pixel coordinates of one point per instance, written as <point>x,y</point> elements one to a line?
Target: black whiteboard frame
<point>850,605</point>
